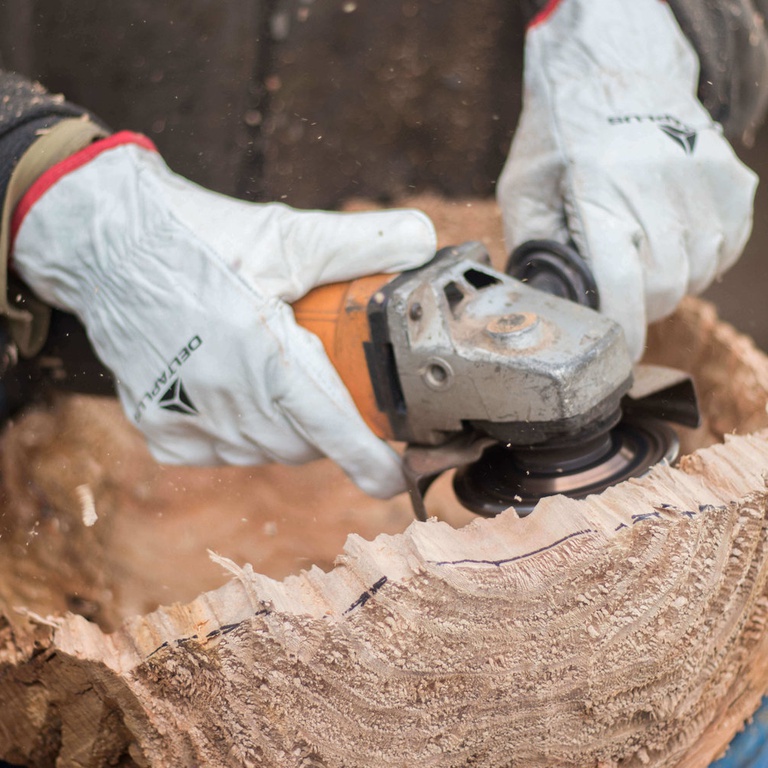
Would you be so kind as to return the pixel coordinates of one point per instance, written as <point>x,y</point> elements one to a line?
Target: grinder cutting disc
<point>505,477</point>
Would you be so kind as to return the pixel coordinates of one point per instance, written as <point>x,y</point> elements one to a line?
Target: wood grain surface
<point>623,630</point>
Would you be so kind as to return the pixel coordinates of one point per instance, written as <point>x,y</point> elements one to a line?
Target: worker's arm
<point>615,152</point>
<point>185,296</point>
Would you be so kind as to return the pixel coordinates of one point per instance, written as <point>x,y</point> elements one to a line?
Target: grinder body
<point>457,346</point>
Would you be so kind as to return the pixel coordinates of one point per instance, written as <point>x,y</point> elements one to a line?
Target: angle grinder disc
<point>505,477</point>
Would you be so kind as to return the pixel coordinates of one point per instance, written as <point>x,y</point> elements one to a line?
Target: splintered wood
<point>623,630</point>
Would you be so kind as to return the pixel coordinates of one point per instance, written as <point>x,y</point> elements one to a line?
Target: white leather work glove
<point>185,296</point>
<point>615,152</point>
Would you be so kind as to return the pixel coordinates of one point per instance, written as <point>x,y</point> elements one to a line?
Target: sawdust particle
<point>87,504</point>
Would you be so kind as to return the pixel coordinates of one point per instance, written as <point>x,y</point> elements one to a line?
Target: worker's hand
<point>185,296</point>
<point>615,152</point>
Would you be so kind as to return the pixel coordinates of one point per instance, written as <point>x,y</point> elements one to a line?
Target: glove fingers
<point>530,213</point>
<point>716,243</point>
<point>611,241</point>
<point>303,414</point>
<point>320,247</point>
<point>284,252</point>
<point>314,401</point>
<point>529,189</point>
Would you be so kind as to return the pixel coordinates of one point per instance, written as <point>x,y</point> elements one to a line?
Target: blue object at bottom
<point>749,749</point>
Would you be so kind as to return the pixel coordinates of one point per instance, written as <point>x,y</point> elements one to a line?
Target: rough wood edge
<point>359,667</point>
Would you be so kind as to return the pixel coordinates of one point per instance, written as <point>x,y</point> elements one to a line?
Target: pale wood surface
<point>625,630</point>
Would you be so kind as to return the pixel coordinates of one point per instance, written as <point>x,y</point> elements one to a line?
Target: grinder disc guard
<point>518,478</point>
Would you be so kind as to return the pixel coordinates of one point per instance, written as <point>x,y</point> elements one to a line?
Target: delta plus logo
<point>166,390</point>
<point>683,135</point>
<point>176,399</point>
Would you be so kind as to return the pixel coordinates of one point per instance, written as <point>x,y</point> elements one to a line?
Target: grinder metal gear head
<point>499,468</point>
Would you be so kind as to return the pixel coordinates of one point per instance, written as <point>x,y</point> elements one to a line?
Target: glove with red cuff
<point>185,295</point>
<point>615,152</point>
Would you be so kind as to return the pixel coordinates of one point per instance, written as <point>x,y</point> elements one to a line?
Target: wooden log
<point>623,630</point>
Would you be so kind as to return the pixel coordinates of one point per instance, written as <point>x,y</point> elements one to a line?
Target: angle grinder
<point>511,378</point>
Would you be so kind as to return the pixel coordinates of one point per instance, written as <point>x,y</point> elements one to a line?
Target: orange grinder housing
<point>338,314</point>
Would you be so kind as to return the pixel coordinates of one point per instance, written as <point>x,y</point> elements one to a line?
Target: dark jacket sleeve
<point>730,40</point>
<point>26,111</point>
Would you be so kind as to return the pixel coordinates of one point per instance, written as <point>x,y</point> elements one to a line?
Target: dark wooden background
<point>316,101</point>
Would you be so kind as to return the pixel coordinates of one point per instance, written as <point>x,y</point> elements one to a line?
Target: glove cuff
<point>69,164</point>
<point>68,146</point>
<point>542,10</point>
